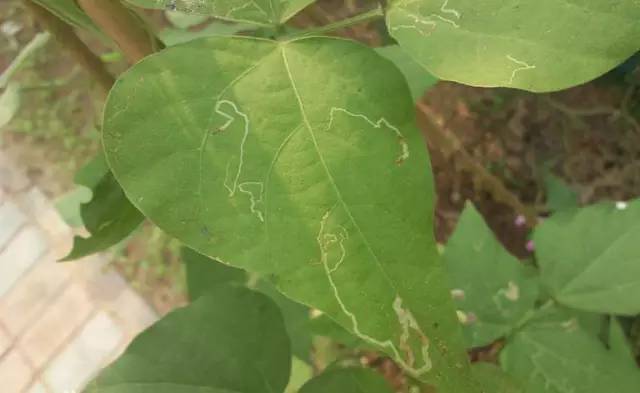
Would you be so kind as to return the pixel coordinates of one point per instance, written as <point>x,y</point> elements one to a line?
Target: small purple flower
<point>520,220</point>
<point>530,246</point>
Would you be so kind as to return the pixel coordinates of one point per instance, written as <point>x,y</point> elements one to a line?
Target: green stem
<point>375,13</point>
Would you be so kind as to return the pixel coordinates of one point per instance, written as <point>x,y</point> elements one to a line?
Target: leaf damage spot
<point>233,172</point>
<point>331,241</point>
<point>523,66</point>
<point>512,292</point>
<point>457,294</point>
<point>382,122</point>
<point>426,25</point>
<point>621,205</point>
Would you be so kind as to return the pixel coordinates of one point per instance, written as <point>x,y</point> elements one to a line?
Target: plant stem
<point>123,26</point>
<point>375,13</point>
<point>65,35</point>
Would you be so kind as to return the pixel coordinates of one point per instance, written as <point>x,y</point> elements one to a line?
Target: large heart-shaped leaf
<point>231,340</point>
<point>540,45</point>
<point>589,257</point>
<point>492,288</point>
<point>285,159</point>
<point>553,353</point>
<point>260,12</point>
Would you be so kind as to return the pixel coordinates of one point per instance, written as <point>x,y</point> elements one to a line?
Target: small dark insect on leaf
<point>171,5</point>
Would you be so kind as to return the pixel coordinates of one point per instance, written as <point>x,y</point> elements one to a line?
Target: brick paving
<point>60,323</point>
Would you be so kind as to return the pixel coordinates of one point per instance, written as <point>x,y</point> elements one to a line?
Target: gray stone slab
<point>11,219</point>
<point>20,254</point>
<point>85,355</point>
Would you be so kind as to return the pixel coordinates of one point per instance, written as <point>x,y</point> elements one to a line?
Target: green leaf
<point>68,11</point>
<point>204,274</point>
<point>349,380</point>
<point>301,372</point>
<point>541,45</point>
<point>258,12</point>
<point>171,36</point>
<point>246,159</point>
<point>493,290</point>
<point>108,216</point>
<point>232,340</point>
<point>619,343</point>
<point>559,195</point>
<point>9,103</point>
<point>417,77</point>
<point>589,258</point>
<point>493,379</point>
<point>553,354</point>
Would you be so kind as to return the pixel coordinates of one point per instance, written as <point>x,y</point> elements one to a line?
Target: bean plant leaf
<point>619,344</point>
<point>109,217</point>
<point>204,274</point>
<point>259,12</point>
<point>493,379</point>
<point>172,36</point>
<point>553,354</point>
<point>231,340</point>
<point>533,45</point>
<point>493,289</point>
<point>349,380</point>
<point>417,77</point>
<point>589,258</point>
<point>322,183</point>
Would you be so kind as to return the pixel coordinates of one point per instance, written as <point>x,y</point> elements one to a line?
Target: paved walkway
<point>59,322</point>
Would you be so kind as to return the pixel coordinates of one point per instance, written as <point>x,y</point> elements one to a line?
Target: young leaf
<point>231,340</point>
<point>109,216</point>
<point>537,45</point>
<point>589,258</point>
<point>348,380</point>
<point>417,77</point>
<point>258,12</point>
<point>553,354</point>
<point>285,159</point>
<point>492,288</point>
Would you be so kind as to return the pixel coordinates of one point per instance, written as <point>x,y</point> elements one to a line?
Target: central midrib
<point>328,173</point>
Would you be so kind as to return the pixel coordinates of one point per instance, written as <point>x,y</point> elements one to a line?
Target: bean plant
<point>289,164</point>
